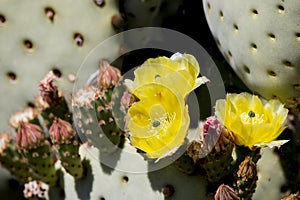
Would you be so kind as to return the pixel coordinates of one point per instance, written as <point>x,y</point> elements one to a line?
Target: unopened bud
<point>108,75</point>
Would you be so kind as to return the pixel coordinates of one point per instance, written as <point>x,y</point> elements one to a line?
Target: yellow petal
<point>178,72</point>
<point>159,121</point>
<point>249,120</point>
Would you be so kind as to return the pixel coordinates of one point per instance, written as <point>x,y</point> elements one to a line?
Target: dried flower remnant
<point>48,90</point>
<point>193,150</point>
<point>247,169</point>
<point>246,179</point>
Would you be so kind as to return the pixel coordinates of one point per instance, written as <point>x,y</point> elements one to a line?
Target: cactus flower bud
<point>61,131</point>
<point>214,135</point>
<point>225,192</point>
<point>108,75</point>
<point>217,147</point>
<point>29,135</point>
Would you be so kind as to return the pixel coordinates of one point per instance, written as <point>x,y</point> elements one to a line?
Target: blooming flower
<point>179,72</point>
<point>159,121</point>
<point>252,123</point>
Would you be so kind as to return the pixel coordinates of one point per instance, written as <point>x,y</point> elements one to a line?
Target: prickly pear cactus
<point>38,36</point>
<point>261,42</point>
<point>70,36</point>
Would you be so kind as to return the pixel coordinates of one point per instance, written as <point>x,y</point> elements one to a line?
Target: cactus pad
<point>261,42</point>
<point>38,36</point>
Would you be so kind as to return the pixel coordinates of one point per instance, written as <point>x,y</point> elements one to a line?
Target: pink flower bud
<point>215,135</point>
<point>61,131</point>
<point>29,135</point>
<point>225,192</point>
<point>108,75</point>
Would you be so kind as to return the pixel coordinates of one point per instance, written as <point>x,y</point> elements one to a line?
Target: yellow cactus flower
<point>159,121</point>
<point>179,72</point>
<point>251,122</point>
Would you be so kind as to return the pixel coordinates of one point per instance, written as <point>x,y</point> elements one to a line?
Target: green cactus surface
<point>42,162</point>
<point>70,158</point>
<point>47,35</point>
<point>265,56</point>
<point>14,161</point>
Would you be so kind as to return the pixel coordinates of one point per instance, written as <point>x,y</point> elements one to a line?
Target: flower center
<point>155,123</point>
<point>252,118</point>
<point>251,114</point>
<point>157,76</point>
